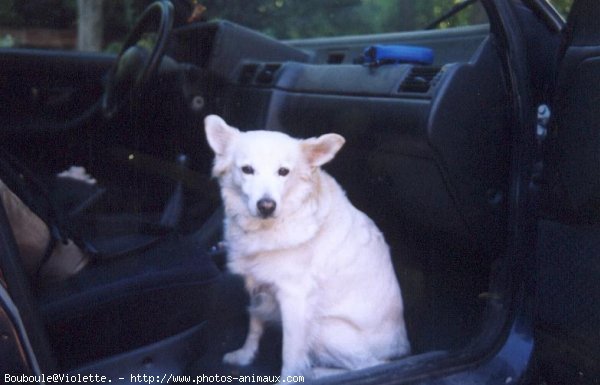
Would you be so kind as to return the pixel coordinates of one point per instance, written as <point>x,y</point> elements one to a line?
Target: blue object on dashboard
<point>390,54</point>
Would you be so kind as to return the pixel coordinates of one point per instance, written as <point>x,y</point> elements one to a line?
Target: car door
<point>49,88</point>
<point>51,84</point>
<point>568,263</point>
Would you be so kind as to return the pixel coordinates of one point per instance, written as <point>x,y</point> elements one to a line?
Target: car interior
<point>443,156</point>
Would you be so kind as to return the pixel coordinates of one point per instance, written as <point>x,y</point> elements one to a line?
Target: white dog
<point>309,258</point>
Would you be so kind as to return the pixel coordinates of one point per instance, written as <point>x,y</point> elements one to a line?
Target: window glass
<point>562,6</point>
<point>292,19</point>
<point>87,25</point>
<point>101,25</point>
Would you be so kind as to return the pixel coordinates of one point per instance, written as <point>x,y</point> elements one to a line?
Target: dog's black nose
<point>266,207</point>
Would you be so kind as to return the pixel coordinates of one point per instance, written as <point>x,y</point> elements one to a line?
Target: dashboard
<point>439,129</point>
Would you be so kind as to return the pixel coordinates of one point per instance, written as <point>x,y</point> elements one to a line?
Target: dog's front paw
<point>240,357</point>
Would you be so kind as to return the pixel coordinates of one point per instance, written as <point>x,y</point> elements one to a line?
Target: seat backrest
<point>576,113</point>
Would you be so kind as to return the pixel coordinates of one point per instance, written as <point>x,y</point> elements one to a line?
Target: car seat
<point>142,286</point>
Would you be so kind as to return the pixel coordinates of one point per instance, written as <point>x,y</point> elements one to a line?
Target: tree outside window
<point>101,25</point>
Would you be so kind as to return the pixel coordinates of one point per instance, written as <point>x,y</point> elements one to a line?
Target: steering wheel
<point>139,58</point>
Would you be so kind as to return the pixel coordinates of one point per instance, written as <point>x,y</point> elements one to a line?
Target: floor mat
<point>227,331</point>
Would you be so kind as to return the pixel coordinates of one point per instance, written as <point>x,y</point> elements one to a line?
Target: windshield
<point>293,19</point>
<point>101,25</point>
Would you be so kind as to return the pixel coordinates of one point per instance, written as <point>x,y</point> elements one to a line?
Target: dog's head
<point>269,172</point>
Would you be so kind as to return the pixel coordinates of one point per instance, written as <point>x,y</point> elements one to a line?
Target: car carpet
<point>226,332</point>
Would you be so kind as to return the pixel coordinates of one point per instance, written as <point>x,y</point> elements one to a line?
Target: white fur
<point>317,264</point>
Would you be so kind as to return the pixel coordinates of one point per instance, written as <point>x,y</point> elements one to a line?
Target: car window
<point>86,25</point>
<point>562,6</point>
<point>294,19</point>
<point>101,25</point>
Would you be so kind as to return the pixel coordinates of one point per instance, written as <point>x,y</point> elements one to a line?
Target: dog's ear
<point>321,150</point>
<point>218,133</point>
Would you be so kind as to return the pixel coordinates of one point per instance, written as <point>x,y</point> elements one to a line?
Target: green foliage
<point>562,6</point>
<point>119,18</point>
<point>279,18</point>
<point>7,41</point>
<point>286,19</point>
<point>40,13</point>
<point>7,14</point>
<point>289,19</point>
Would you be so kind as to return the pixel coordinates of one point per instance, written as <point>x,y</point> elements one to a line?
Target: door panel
<point>48,90</point>
<point>568,263</point>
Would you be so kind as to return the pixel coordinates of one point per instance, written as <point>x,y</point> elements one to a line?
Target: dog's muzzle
<point>266,207</point>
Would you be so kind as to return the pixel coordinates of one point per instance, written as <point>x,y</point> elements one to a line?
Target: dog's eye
<point>283,171</point>
<point>247,170</point>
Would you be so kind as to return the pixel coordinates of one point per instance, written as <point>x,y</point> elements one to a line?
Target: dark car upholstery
<point>569,245</point>
<point>577,116</point>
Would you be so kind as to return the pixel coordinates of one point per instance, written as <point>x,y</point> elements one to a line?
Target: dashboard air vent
<point>267,74</point>
<point>248,73</point>
<point>420,79</point>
